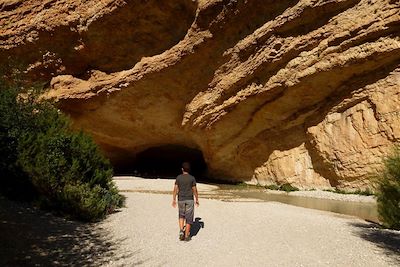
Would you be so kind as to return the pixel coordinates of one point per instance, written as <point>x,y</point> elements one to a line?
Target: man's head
<point>186,167</point>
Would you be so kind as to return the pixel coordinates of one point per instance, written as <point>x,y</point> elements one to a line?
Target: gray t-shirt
<point>185,183</point>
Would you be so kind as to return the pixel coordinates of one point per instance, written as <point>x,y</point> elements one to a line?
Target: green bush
<point>366,192</point>
<point>43,158</point>
<point>14,182</point>
<point>389,191</point>
<point>288,188</point>
<point>284,187</point>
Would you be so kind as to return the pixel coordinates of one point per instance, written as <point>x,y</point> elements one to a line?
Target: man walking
<point>185,187</point>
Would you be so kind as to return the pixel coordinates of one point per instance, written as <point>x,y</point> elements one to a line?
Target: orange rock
<point>305,92</point>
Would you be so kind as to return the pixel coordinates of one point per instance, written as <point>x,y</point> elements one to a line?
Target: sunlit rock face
<point>305,92</point>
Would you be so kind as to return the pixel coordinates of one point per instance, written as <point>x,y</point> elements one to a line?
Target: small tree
<point>389,191</point>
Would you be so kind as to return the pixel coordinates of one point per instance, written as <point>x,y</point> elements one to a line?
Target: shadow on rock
<point>31,237</point>
<point>388,240</point>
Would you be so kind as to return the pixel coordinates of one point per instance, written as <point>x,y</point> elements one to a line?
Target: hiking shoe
<point>181,235</point>
<point>188,238</point>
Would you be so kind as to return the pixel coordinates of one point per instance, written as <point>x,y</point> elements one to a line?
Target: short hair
<point>186,166</point>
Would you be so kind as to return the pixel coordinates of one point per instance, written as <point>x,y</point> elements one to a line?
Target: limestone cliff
<point>298,91</point>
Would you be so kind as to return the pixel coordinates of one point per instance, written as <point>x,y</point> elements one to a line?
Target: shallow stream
<point>364,210</point>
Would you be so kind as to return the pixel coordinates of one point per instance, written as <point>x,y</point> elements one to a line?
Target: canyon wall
<point>305,92</point>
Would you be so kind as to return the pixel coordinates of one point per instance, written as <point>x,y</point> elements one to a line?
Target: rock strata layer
<point>305,92</point>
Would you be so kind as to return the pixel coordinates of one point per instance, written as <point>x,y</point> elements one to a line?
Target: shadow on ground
<point>196,226</point>
<point>30,237</point>
<point>388,240</point>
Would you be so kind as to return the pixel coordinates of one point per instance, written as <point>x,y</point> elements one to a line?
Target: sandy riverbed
<point>243,233</point>
<point>238,233</point>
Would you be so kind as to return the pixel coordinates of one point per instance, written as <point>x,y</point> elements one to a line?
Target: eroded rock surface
<point>305,92</point>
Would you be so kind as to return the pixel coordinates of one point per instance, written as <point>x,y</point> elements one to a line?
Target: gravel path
<point>243,234</point>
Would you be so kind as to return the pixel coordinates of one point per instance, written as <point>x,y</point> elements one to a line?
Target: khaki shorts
<point>186,210</point>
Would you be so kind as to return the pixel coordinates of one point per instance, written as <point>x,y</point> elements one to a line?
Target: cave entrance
<point>166,161</point>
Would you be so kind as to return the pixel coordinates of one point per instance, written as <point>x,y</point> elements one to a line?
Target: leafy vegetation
<point>245,185</point>
<point>42,159</point>
<point>288,188</point>
<point>284,187</point>
<point>389,191</point>
<point>366,192</point>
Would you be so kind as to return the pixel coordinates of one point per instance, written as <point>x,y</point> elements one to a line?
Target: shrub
<point>284,187</point>
<point>14,182</point>
<point>61,168</point>
<point>389,191</point>
<point>288,188</point>
<point>366,192</point>
<point>242,184</point>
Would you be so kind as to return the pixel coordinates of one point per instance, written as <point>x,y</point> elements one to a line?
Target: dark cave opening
<point>165,162</point>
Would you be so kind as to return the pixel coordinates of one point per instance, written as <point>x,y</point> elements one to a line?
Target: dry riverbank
<point>238,233</point>
<point>244,233</point>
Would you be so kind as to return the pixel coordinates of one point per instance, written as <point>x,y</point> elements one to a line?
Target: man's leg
<point>187,231</point>
<point>181,206</point>
<point>181,223</point>
<point>189,214</point>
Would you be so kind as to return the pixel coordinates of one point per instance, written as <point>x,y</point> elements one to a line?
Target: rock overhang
<point>255,96</point>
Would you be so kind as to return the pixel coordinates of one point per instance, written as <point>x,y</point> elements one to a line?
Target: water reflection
<point>364,210</point>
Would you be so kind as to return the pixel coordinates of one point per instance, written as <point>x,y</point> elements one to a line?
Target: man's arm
<point>196,195</point>
<point>174,196</point>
